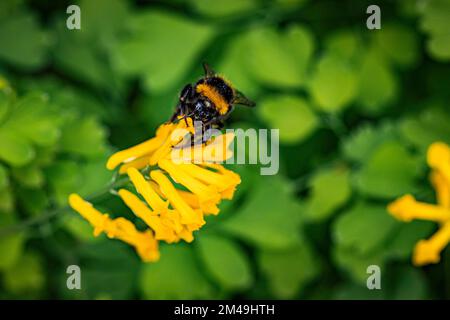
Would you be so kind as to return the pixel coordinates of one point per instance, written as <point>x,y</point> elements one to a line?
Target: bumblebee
<point>210,100</point>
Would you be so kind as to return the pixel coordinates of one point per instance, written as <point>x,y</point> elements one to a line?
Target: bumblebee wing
<point>209,72</point>
<point>240,98</point>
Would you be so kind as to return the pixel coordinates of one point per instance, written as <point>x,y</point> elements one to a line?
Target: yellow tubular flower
<point>407,208</point>
<point>208,194</point>
<point>442,189</point>
<point>146,190</point>
<point>141,149</point>
<point>138,163</point>
<point>188,215</point>
<point>171,214</point>
<point>438,158</point>
<point>162,231</point>
<point>427,251</point>
<point>120,228</point>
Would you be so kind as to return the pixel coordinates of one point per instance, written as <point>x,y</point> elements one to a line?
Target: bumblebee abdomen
<point>221,87</point>
<point>217,91</point>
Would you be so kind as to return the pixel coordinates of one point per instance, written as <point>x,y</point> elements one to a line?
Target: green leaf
<point>7,201</point>
<point>377,86</point>
<point>355,265</point>
<point>102,20</point>
<point>434,20</point>
<point>29,176</point>
<point>301,44</point>
<point>364,228</point>
<point>234,65</point>
<point>85,137</point>
<point>11,245</point>
<point>270,216</point>
<point>225,262</point>
<point>389,172</point>
<point>398,43</point>
<point>289,270</point>
<point>407,235</point>
<point>82,61</point>
<point>110,268</point>
<point>7,96</point>
<point>350,291</point>
<point>361,143</point>
<point>291,115</point>
<point>216,9</point>
<point>26,276</point>
<point>160,47</point>
<point>427,127</point>
<point>95,177</point>
<point>290,4</point>
<point>4,179</point>
<point>63,179</point>
<point>24,43</point>
<point>10,249</point>
<point>439,47</point>
<point>344,43</point>
<point>334,83</point>
<point>330,189</point>
<point>34,119</point>
<point>410,284</point>
<point>80,228</point>
<point>14,149</point>
<point>175,276</point>
<point>435,16</point>
<point>279,59</point>
<point>33,201</point>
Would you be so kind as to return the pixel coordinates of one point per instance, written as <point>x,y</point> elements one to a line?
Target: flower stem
<point>46,216</point>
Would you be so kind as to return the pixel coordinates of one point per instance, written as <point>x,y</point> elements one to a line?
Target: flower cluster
<point>183,184</point>
<point>407,207</point>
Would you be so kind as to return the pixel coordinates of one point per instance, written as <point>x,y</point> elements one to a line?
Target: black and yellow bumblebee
<point>210,100</point>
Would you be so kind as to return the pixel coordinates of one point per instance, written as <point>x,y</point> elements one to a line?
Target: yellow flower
<point>176,185</point>
<point>120,228</point>
<point>407,208</point>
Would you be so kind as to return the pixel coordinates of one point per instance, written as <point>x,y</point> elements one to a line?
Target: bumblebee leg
<point>176,113</point>
<point>220,125</point>
<point>187,94</point>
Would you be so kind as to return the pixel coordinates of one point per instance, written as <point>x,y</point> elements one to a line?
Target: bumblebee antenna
<point>209,72</point>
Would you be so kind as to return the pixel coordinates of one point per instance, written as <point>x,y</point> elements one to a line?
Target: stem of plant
<point>44,217</point>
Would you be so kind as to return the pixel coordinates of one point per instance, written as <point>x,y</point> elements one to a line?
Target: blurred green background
<point>356,109</point>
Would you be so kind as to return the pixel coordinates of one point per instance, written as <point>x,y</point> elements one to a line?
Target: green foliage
<point>291,115</point>
<point>329,71</point>
<point>389,172</point>
<point>25,277</point>
<point>175,276</point>
<point>329,190</point>
<point>28,47</point>
<point>160,56</point>
<point>356,111</point>
<point>216,9</point>
<point>284,56</point>
<point>270,217</point>
<point>289,270</point>
<point>226,262</point>
<point>434,20</point>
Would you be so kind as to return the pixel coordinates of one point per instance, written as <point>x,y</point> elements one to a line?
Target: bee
<point>210,100</point>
